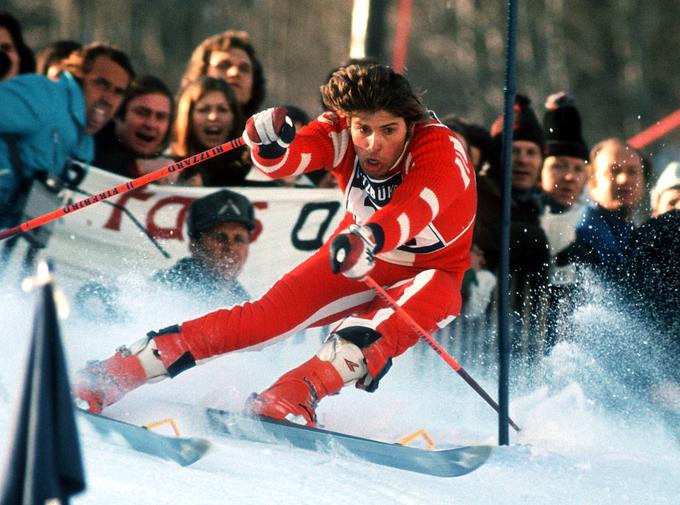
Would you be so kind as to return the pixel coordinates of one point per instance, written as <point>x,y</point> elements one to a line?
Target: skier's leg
<point>308,294</point>
<point>361,348</point>
<point>294,395</point>
<point>432,298</point>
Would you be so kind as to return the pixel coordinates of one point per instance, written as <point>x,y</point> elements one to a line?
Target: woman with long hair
<point>230,56</point>
<point>208,114</point>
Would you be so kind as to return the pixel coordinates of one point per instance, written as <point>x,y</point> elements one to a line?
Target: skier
<point>410,194</point>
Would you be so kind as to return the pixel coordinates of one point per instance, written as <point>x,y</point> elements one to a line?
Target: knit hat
<point>562,127</point>
<point>525,125</point>
<point>223,206</point>
<point>669,178</point>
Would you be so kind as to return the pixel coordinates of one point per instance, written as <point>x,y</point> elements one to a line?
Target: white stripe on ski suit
<point>419,282</point>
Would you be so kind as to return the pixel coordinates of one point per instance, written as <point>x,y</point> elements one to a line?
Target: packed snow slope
<point>585,439</point>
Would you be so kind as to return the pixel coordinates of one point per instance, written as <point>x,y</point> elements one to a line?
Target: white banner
<point>103,242</point>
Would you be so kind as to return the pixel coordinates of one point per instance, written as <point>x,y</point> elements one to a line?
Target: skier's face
<point>379,139</point>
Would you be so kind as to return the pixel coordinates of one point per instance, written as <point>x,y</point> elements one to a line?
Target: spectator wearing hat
<point>564,173</point>
<point>219,226</point>
<point>528,242</point>
<point>563,178</point>
<point>665,195</point>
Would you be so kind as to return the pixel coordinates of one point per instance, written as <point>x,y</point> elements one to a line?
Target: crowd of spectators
<point>573,209</point>
<point>143,127</point>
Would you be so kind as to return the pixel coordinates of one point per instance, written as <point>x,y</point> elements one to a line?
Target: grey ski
<point>184,451</point>
<point>442,463</point>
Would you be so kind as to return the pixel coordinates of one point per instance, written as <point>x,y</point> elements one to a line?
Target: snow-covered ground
<point>574,448</point>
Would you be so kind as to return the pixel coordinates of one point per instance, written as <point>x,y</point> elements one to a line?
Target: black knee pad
<point>164,331</point>
<point>361,336</point>
<point>184,362</point>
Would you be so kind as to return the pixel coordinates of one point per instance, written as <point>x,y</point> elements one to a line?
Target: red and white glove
<point>271,130</point>
<point>353,252</point>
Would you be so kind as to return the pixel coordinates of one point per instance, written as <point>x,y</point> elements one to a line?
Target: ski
<point>184,451</point>
<point>442,463</point>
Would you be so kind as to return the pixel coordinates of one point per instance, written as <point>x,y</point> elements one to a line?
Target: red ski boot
<point>295,395</point>
<point>102,383</point>
<point>160,354</point>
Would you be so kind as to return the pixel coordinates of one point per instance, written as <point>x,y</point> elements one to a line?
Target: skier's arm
<point>278,151</point>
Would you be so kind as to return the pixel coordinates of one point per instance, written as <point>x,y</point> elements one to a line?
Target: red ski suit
<point>426,208</point>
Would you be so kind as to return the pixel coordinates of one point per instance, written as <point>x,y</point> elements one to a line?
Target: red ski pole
<point>368,280</point>
<point>124,188</point>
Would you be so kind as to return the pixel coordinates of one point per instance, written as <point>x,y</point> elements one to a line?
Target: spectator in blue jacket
<point>616,184</point>
<point>45,123</point>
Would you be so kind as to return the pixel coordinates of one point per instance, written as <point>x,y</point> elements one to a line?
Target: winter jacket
<point>42,125</point>
<point>601,240</point>
<point>528,243</point>
<point>650,280</point>
<point>424,206</point>
<point>192,277</point>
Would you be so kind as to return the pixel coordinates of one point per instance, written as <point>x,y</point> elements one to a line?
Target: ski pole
<point>123,188</point>
<point>370,282</point>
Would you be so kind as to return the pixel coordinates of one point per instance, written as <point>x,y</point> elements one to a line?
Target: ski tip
<point>183,451</point>
<point>473,457</point>
<point>190,450</point>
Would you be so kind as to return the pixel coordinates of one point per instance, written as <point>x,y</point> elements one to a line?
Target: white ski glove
<point>271,130</point>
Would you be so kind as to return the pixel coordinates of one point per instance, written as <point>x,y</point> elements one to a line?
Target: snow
<point>576,447</point>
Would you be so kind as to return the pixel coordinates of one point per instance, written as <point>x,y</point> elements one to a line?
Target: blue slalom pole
<point>509,91</point>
